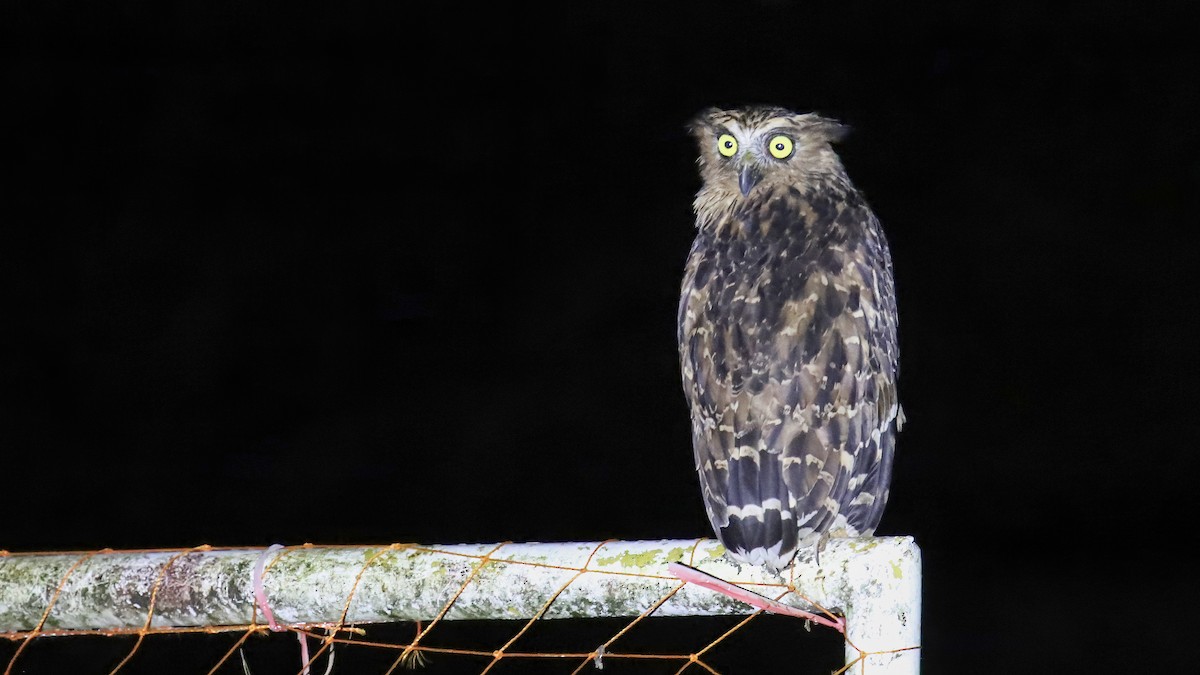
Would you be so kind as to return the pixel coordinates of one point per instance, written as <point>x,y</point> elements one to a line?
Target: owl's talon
<point>818,546</point>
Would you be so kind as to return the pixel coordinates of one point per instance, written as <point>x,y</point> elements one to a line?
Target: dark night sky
<point>383,274</point>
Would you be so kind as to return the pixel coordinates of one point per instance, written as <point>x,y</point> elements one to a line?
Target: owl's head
<point>758,147</point>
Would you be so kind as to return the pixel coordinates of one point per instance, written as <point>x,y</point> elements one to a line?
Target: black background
<point>393,273</point>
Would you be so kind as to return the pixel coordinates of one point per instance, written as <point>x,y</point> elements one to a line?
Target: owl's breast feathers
<point>787,337</point>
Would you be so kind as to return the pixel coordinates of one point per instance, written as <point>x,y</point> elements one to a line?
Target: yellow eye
<point>727,145</point>
<point>780,147</point>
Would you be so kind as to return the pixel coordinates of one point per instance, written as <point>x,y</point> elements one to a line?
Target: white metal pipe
<point>874,582</point>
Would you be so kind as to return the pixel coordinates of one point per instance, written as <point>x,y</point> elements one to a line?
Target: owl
<point>787,338</point>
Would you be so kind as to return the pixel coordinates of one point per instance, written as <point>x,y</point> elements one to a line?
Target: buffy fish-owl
<point>787,338</point>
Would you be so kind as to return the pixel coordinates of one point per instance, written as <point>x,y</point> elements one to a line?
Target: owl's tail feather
<point>694,576</point>
<point>758,525</point>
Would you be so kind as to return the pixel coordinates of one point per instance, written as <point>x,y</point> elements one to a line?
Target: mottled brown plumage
<point>787,338</point>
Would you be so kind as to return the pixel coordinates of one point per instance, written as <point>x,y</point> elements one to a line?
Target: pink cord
<point>260,596</point>
<point>695,576</point>
<point>303,652</point>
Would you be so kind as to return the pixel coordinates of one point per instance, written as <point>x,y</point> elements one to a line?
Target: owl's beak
<point>747,179</point>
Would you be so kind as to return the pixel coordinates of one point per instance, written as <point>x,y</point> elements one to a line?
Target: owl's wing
<point>836,385</point>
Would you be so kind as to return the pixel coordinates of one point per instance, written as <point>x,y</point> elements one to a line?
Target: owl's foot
<point>694,576</point>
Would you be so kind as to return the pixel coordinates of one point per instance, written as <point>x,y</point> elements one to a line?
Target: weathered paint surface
<point>883,608</point>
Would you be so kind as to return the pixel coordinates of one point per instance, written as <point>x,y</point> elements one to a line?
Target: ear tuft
<point>703,120</point>
<point>830,130</point>
<point>835,131</point>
